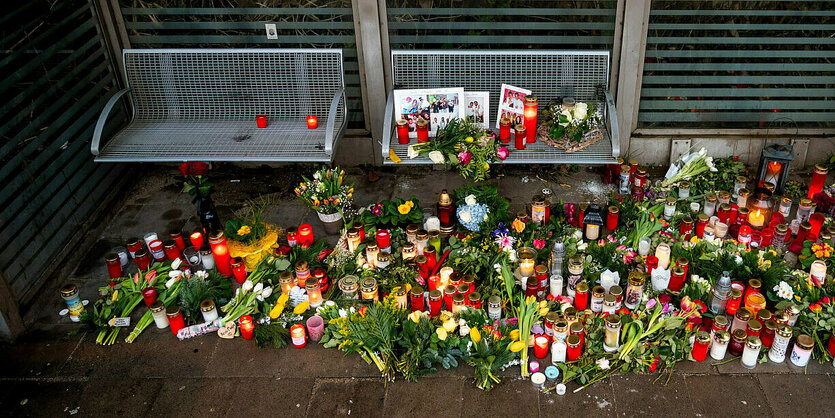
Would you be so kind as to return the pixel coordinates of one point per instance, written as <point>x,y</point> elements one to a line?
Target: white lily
<point>258,288</point>
<point>174,273</point>
<point>170,282</point>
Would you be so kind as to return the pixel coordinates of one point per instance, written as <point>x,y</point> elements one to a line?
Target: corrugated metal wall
<point>166,24</point>
<point>739,64</point>
<point>55,76</point>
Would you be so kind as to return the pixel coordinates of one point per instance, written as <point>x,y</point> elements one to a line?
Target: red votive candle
<point>530,109</point>
<point>433,281</point>
<point>142,260</point>
<point>298,336</point>
<point>422,129</point>
<point>581,296</point>
<point>651,263</point>
<point>171,251</point>
<point>816,219</point>
<point>435,302</point>
<point>766,236</point>
<point>238,269</point>
<point>305,235</point>
<point>685,227</point>
<point>175,319</point>
<point>700,346</point>
<point>521,136</point>
<point>402,132</point>
<point>261,121</point>
<point>383,239</point>
<point>701,223</point>
<point>575,347</point>
<point>416,298</point>
<point>196,239</point>
<point>114,266</point>
<point>312,123</point>
<point>177,237</point>
<point>246,326</point>
<point>612,218</point>
<point>220,251</point>
<point>149,295</point>
<point>818,181</point>
<point>449,292</point>
<point>540,346</point>
<point>504,130</point>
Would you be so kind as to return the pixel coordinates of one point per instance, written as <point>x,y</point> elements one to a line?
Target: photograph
<point>476,106</point>
<point>512,104</point>
<point>437,106</point>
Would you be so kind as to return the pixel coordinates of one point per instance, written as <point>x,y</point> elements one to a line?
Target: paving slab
<point>427,397</point>
<point>597,400</point>
<point>788,395</point>
<point>241,358</point>
<point>42,398</point>
<point>642,394</point>
<point>120,397</point>
<point>195,397</point>
<point>362,397</point>
<point>512,394</point>
<point>726,395</point>
<point>269,397</point>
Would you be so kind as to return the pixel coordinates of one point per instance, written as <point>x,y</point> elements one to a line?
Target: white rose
<point>437,157</point>
<point>465,216</point>
<point>267,292</point>
<point>580,113</point>
<point>247,286</point>
<point>470,200</point>
<point>567,114</point>
<point>582,106</point>
<point>410,152</point>
<point>258,288</point>
<point>577,234</point>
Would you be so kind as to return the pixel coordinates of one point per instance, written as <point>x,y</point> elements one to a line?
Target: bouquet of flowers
<point>572,122</point>
<point>327,192</point>
<point>465,146</point>
<point>396,212</point>
<point>194,179</point>
<point>689,166</point>
<point>472,214</point>
<point>248,227</point>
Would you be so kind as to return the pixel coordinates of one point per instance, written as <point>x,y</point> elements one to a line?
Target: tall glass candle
<point>611,338</point>
<point>416,299</point>
<point>521,136</point>
<point>422,128</point>
<point>238,269</point>
<point>305,235</point>
<point>175,319</point>
<point>527,261</point>
<point>402,132</point>
<point>662,251</point>
<point>700,346</point>
<point>220,251</point>
<point>530,109</point>
<point>436,302</point>
<point>158,312</point>
<point>751,352</point>
<point>504,129</point>
<point>246,326</point>
<point>818,180</point>
<point>721,339</point>
<point>314,295</point>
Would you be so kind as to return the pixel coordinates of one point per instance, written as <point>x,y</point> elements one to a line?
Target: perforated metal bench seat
<point>583,75</point>
<point>201,104</point>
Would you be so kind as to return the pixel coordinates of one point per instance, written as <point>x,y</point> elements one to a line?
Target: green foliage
<point>393,213</point>
<point>274,335</point>
<point>248,226</point>
<point>722,179</point>
<point>195,290</point>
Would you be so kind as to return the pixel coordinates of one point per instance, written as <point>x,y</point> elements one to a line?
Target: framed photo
<point>476,108</point>
<point>438,106</point>
<point>512,105</point>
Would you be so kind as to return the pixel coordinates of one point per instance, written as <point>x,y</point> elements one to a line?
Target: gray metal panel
<point>192,104</point>
<point>549,74</point>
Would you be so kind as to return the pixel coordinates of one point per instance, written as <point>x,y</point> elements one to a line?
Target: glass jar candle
<point>114,265</point>
<point>685,227</point>
<point>577,328</point>
<point>292,236</point>
<point>416,299</point>
<point>570,314</point>
<point>744,236</point>
<point>548,324</point>
<point>521,136</point>
<point>435,243</point>
<point>421,241</point>
<point>469,281</point>
<point>399,294</point>
<point>780,317</point>
<point>576,264</point>
<point>157,250</point>
<point>710,204</point>
<point>700,346</point>
<point>817,272</point>
<point>617,292</point>
<point>504,129</point>
<point>238,269</point>
<point>423,266</point>
<point>741,318</point>
<point>540,346</point>
<point>560,330</point>
<point>611,338</point>
<point>175,319</point>
<point>782,337</point>
<point>353,238</point>
<point>701,222</point>
<point>463,288</point>
<point>402,132</point>
<point>286,281</point>
<point>192,257</point>
<point>422,130</point>
<point>383,260</point>
<point>785,207</point>
<point>449,292</point>
<point>349,286</point>
<point>133,245</point>
<point>742,197</point>
<point>737,345</point>
<point>612,218</point>
<point>669,208</point>
<point>142,260</point>
<point>802,350</point>
<point>446,210</point>
<point>734,301</point>
<point>368,289</point>
<point>624,186</point>
<point>720,322</point>
<point>768,333</point>
<point>581,296</point>
<point>527,261</point>
<point>574,347</point>
<point>662,251</point>
<point>721,338</point>
<point>818,180</point>
<point>220,252</point>
<point>538,209</point>
<point>724,213</point>
<point>723,197</point>
<point>739,184</point>
<point>149,295</point>
<point>474,300</point>
<point>383,238</point>
<point>298,336</point>
<point>558,351</point>
<point>454,279</point>
<point>73,301</point>
<point>677,279</point>
<point>302,273</point>
<point>634,290</point>
<point>207,259</point>
<point>314,295</point>
<point>637,194</point>
<point>754,328</point>
<point>751,352</point>
<point>436,301</point>
<point>754,302</point>
<point>408,251</point>
<point>610,304</point>
<point>597,295</point>
<point>246,326</point>
<point>158,312</point>
<point>555,283</point>
<point>150,237</point>
<point>371,251</point>
<point>208,310</point>
<point>306,236</point>
<point>640,178</point>
<point>494,308</point>
<point>804,209</point>
<point>683,190</point>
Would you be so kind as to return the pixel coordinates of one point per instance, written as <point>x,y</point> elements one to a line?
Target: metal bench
<point>201,104</point>
<point>583,75</point>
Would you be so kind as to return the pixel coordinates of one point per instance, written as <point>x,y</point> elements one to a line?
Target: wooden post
<point>370,55</point>
<point>10,312</point>
<point>616,46</point>
<point>112,26</point>
<point>631,69</point>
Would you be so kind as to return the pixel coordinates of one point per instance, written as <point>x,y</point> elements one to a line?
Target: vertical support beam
<point>11,324</point>
<point>631,69</point>
<point>370,53</point>
<point>114,33</point>
<point>386,44</point>
<point>616,48</point>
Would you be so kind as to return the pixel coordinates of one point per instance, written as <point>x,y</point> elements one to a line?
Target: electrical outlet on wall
<point>272,33</point>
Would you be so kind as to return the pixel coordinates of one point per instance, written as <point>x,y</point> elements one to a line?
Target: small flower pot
<point>332,222</point>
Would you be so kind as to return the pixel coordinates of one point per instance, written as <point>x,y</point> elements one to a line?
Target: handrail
<point>613,124</point>
<point>108,107</point>
<point>337,97</point>
<point>387,118</point>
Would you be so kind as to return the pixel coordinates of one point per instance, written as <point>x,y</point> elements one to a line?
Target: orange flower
<point>815,307</point>
<point>518,225</point>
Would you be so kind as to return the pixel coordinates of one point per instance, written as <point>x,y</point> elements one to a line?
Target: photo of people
<point>437,106</point>
<point>477,108</point>
<point>512,104</point>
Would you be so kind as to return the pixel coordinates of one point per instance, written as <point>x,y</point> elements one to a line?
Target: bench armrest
<point>612,119</point>
<point>105,113</point>
<point>387,119</point>
<point>338,97</point>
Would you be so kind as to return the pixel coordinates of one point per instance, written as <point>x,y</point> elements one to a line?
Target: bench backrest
<point>583,75</point>
<point>232,84</point>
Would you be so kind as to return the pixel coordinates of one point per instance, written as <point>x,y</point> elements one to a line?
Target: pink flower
<point>538,244</point>
<point>601,242</point>
<point>502,153</point>
<point>464,157</point>
<point>651,303</point>
<point>620,247</point>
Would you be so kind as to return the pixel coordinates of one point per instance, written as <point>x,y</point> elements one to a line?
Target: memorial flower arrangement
<point>195,181</point>
<point>572,122</point>
<point>393,212</point>
<point>463,145</point>
<point>326,192</point>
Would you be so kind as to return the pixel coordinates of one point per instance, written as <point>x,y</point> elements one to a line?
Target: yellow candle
<point>756,219</point>
<point>662,251</point>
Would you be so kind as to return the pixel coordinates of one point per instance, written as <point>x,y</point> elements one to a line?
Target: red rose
<point>185,169</point>
<point>199,168</point>
<point>736,158</point>
<point>324,253</point>
<point>284,250</point>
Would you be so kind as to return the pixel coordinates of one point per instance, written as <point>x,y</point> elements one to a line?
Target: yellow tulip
<point>543,304</point>
<point>415,316</point>
<point>441,333</point>
<point>514,335</point>
<point>475,335</point>
<point>543,311</point>
<point>450,325</point>
<point>469,139</point>
<point>517,346</point>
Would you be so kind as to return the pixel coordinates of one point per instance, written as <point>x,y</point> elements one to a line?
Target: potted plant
<point>327,194</point>
<point>249,236</point>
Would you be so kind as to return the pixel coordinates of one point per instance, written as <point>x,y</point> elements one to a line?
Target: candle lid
<point>111,258</point>
<point>530,99</point>
<point>703,337</point>
<point>784,331</point>
<point>383,257</point>
<point>417,291</point>
<point>216,237</point>
<point>399,291</point>
<point>69,290</point>
<point>495,301</point>
<point>805,342</point>
<point>684,185</point>
<point>721,320</point>
<point>520,128</point>
<point>156,306</point>
<point>422,123</point>
<point>436,295</point>
<point>172,311</point>
<point>368,284</point>
<point>671,200</point>
<point>573,341</point>
<point>743,192</point>
<point>754,343</point>
<point>458,298</point>
<point>576,328</point>
<point>207,305</point>
<point>739,335</point>
<point>504,121</point>
<point>474,297</point>
<point>311,283</point>
<point>402,122</point>
<point>721,336</point>
<point>613,209</point>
